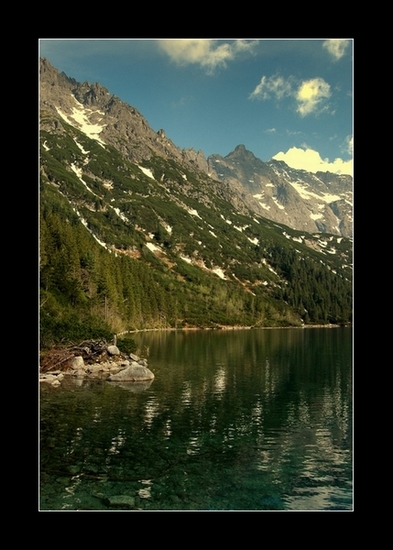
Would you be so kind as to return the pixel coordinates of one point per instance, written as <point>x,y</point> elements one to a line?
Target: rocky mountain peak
<point>320,202</point>
<point>198,250</point>
<point>240,152</point>
<point>197,158</point>
<point>304,201</point>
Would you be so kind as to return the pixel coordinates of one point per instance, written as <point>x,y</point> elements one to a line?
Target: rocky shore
<point>96,360</point>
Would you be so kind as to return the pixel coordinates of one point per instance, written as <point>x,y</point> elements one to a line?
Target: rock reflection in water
<point>249,420</point>
<point>133,387</point>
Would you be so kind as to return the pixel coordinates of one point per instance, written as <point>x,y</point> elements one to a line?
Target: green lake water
<point>247,420</point>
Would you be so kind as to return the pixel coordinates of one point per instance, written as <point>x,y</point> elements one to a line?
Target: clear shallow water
<point>234,420</point>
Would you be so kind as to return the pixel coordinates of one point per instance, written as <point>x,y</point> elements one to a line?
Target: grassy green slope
<point>121,250</point>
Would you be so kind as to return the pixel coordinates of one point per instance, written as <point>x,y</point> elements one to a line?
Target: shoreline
<point>106,360</point>
<point>225,327</point>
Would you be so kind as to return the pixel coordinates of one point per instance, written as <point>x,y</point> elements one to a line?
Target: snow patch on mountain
<point>280,206</point>
<point>153,247</point>
<point>218,271</point>
<point>193,212</point>
<point>146,171</point>
<point>81,147</point>
<point>121,215</point>
<point>225,220</point>
<point>304,192</point>
<point>78,172</point>
<point>80,118</point>
<point>84,222</point>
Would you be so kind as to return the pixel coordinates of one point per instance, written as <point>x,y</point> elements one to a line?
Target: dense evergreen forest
<point>87,291</point>
<point>125,246</point>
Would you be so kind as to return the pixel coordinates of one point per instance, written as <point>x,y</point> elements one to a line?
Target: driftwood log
<point>60,358</point>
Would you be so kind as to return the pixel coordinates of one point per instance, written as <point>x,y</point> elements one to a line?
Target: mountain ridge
<point>314,202</point>
<point>135,233</point>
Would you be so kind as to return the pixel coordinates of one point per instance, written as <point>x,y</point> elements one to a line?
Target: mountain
<point>134,233</point>
<point>320,202</point>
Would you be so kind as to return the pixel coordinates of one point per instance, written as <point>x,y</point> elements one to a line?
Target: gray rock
<point>113,350</point>
<point>133,373</point>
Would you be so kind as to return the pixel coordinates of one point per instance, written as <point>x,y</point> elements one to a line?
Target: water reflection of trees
<point>219,404</point>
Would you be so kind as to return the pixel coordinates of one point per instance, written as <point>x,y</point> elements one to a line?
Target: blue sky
<point>290,99</point>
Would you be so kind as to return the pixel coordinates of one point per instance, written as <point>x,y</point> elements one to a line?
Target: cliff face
<point>304,201</point>
<point>93,109</point>
<point>320,202</point>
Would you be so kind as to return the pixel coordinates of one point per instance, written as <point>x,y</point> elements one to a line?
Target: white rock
<point>113,350</point>
<point>77,363</point>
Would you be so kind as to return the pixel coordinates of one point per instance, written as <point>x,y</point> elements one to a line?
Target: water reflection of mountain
<point>276,404</point>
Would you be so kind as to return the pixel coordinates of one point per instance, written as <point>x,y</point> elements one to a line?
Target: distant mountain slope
<point>302,200</point>
<point>134,233</point>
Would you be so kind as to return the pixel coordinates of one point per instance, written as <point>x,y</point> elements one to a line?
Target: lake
<point>248,420</point>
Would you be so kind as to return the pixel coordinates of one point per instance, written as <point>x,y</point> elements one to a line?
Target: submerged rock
<point>134,373</point>
<point>122,501</point>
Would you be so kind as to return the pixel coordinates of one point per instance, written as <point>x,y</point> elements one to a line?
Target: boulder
<point>113,350</point>
<point>132,373</point>
<point>137,359</point>
<point>77,363</point>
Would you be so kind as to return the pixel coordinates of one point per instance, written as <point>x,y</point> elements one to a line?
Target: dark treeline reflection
<point>243,419</point>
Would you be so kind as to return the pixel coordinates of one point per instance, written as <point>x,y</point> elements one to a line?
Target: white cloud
<point>273,86</point>
<point>310,95</point>
<point>209,54</point>
<point>348,145</point>
<point>336,47</point>
<point>310,160</point>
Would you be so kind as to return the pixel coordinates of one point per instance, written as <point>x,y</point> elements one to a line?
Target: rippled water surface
<point>234,420</point>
